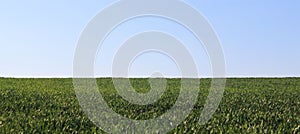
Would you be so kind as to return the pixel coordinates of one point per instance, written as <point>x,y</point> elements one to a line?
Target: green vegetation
<point>253,105</point>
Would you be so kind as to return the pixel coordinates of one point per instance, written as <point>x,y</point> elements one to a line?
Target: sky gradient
<point>259,38</point>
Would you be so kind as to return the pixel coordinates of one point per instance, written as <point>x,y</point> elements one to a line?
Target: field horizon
<point>249,105</point>
<point>104,77</point>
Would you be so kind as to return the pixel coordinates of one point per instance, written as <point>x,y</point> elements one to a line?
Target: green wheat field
<point>249,105</point>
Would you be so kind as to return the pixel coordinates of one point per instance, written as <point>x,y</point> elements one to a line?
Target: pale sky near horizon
<point>259,38</point>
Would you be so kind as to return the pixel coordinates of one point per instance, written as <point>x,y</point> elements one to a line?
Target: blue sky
<point>259,38</point>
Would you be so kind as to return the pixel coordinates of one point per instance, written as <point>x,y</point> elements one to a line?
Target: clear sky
<point>259,37</point>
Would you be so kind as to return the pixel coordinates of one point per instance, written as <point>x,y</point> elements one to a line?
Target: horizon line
<point>205,77</point>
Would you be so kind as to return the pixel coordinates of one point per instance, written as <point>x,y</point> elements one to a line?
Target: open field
<point>249,105</point>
